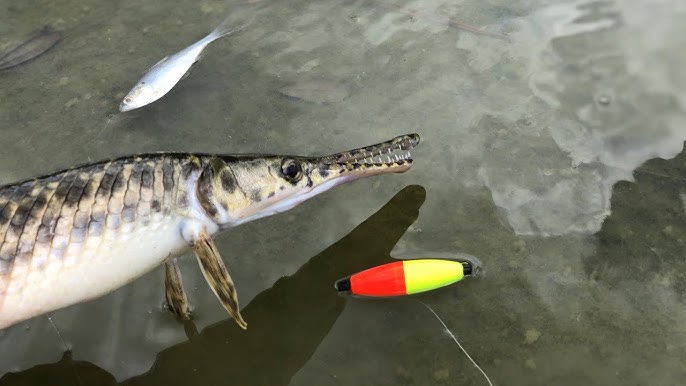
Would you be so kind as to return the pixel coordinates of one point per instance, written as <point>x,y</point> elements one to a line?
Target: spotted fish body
<point>84,232</point>
<point>81,233</point>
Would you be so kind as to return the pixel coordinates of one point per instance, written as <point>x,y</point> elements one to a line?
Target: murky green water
<point>557,159</point>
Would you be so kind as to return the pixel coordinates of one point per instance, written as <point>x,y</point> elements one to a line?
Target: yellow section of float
<point>427,274</point>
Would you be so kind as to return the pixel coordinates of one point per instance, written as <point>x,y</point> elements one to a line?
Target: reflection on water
<point>589,70</point>
<point>535,158</point>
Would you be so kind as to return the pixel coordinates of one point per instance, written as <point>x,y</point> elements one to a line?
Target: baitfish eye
<point>128,100</point>
<point>291,170</point>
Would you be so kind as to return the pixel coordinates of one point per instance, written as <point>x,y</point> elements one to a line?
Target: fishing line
<point>659,174</point>
<point>59,334</point>
<point>456,341</point>
<point>110,117</point>
<point>66,348</point>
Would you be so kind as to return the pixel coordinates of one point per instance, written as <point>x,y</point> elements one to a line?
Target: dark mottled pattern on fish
<point>51,218</point>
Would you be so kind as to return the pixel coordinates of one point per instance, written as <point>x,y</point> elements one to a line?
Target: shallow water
<point>556,158</point>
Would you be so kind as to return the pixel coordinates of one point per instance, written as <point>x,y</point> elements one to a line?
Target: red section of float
<point>384,280</point>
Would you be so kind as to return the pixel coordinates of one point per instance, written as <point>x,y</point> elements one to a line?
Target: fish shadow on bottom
<point>288,320</point>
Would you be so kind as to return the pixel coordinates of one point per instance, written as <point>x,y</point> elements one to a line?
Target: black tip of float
<point>343,285</point>
<point>466,268</point>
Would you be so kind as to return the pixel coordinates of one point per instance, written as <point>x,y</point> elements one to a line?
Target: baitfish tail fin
<point>224,29</point>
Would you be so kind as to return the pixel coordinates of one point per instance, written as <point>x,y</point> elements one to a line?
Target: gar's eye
<point>291,170</point>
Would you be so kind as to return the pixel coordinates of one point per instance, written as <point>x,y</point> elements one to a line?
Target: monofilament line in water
<point>59,334</point>
<point>456,341</point>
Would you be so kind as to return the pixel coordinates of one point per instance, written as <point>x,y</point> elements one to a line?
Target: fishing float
<point>406,277</point>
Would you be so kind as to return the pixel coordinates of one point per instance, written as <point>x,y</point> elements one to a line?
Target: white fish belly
<point>87,271</point>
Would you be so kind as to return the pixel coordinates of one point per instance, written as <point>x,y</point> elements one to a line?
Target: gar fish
<point>164,75</point>
<point>81,233</point>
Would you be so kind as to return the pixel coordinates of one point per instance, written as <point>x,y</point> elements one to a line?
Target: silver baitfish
<point>81,233</point>
<point>164,75</point>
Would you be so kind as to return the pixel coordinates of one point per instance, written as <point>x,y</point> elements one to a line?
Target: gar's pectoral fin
<point>217,276</point>
<point>173,290</point>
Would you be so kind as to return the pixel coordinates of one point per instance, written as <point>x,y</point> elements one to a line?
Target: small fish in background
<point>442,19</point>
<point>317,91</point>
<point>164,75</point>
<point>37,44</point>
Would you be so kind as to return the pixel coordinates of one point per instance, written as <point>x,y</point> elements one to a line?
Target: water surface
<point>556,158</point>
